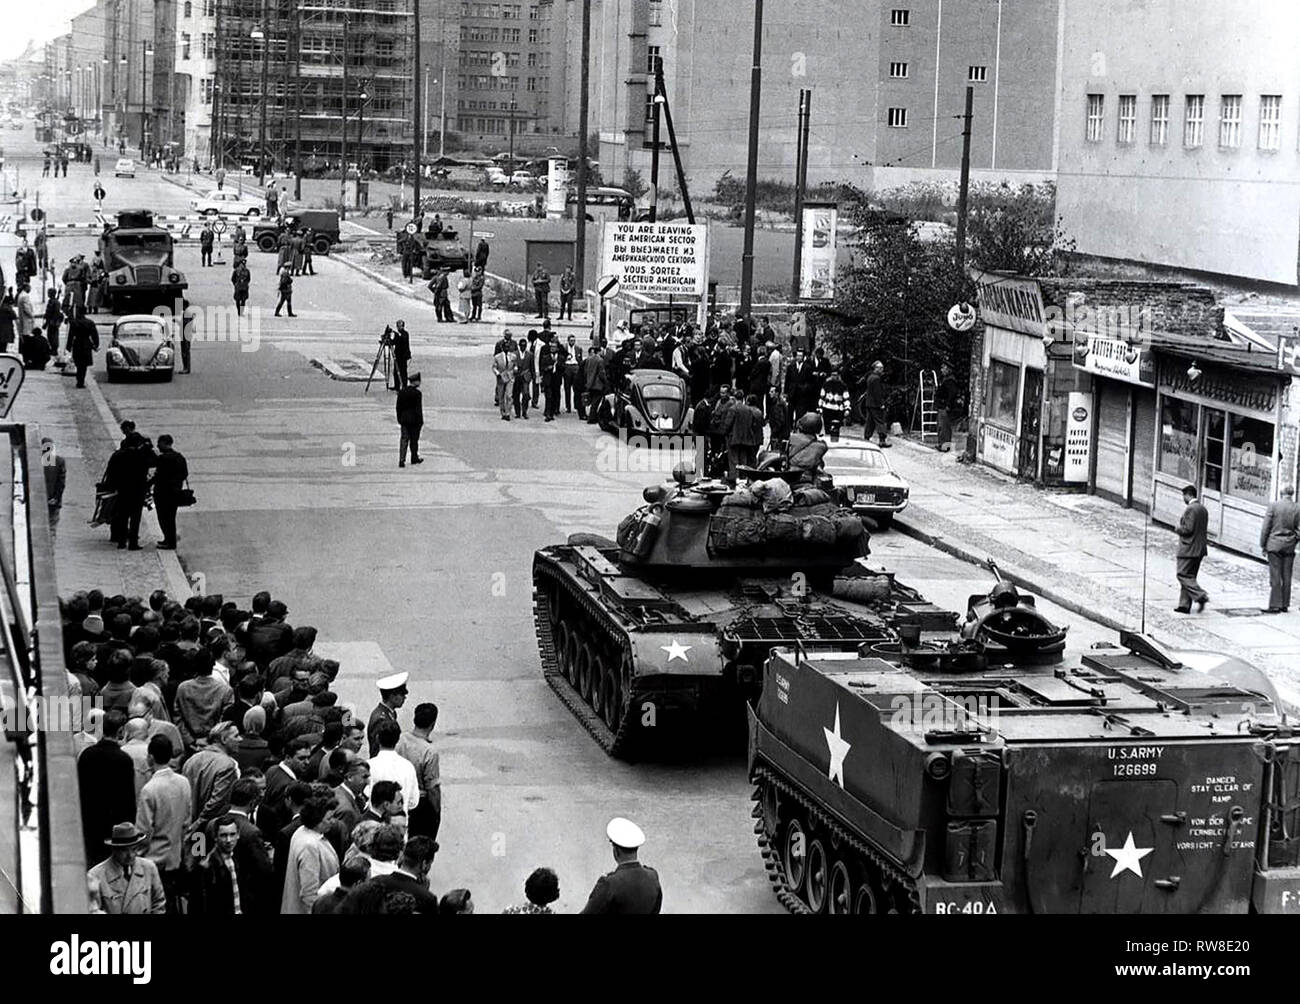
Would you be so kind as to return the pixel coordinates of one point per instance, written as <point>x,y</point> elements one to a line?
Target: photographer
<point>400,340</point>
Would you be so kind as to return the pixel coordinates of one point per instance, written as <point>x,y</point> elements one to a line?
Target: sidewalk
<point>1086,554</point>
<point>85,433</point>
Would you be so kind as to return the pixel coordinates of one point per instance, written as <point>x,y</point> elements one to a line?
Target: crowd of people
<point>738,379</point>
<point>220,775</point>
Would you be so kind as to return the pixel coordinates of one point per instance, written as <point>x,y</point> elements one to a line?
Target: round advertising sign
<point>961,317</point>
<point>411,228</point>
<point>1079,414</point>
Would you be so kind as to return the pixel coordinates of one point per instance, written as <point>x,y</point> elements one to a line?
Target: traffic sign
<point>607,286</point>
<point>411,228</point>
<point>484,234</point>
<point>12,375</point>
<point>219,226</point>
<point>961,317</point>
<point>37,214</point>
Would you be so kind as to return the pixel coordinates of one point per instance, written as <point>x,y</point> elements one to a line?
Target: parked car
<point>649,402</point>
<point>219,202</point>
<point>142,345</point>
<point>324,223</point>
<point>124,168</point>
<point>865,481</point>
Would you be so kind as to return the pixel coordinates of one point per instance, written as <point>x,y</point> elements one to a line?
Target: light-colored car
<point>124,168</point>
<point>220,202</point>
<point>142,345</point>
<point>865,481</point>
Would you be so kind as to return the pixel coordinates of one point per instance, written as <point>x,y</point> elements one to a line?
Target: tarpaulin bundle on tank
<point>800,528</point>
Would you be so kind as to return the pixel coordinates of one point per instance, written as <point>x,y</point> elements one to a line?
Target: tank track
<point>906,898</point>
<point>617,743</point>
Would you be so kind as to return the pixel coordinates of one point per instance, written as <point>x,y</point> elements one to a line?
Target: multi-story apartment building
<point>1179,135</point>
<point>87,45</point>
<point>511,69</point>
<point>888,78</point>
<point>195,67</point>
<point>311,71</point>
<point>126,91</point>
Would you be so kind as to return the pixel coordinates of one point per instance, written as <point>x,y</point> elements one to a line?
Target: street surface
<point>427,570</point>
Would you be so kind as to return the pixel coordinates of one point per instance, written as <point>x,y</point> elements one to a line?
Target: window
<point>208,44</point>
<point>977,74</point>
<point>209,8</point>
<point>900,17</point>
<point>656,13</point>
<point>649,110</point>
<point>898,70</point>
<point>1194,121</point>
<point>1004,392</point>
<point>533,12</point>
<point>205,90</point>
<point>1178,439</point>
<point>185,45</point>
<point>532,59</point>
<point>510,11</point>
<point>532,36</point>
<point>1270,122</point>
<point>652,58</point>
<point>1212,450</point>
<point>1128,113</point>
<point>1159,119</point>
<point>1096,115</point>
<point>532,83</point>
<point>1250,459</point>
<point>897,118</point>
<point>189,9</point>
<point>1230,121</point>
<point>512,34</point>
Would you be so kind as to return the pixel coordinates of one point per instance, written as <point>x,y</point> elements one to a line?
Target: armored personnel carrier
<point>138,259</point>
<point>1132,780</point>
<point>653,637</point>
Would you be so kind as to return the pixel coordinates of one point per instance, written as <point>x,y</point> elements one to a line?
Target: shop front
<point>1123,435</point>
<point>1221,428</point>
<point>1026,382</point>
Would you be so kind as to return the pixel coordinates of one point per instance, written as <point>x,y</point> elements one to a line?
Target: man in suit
<point>218,889</point>
<point>106,777</point>
<point>252,859</point>
<point>212,773</point>
<point>350,797</point>
<point>630,888</point>
<point>1277,539</point>
<point>412,877</point>
<point>280,779</point>
<point>1192,548</point>
<point>401,340</point>
<point>410,416</point>
<point>295,798</point>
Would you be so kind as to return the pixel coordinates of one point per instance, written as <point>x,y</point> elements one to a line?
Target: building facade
<point>87,40</point>
<point>888,84</point>
<point>326,81</point>
<point>1195,168</point>
<point>195,68</point>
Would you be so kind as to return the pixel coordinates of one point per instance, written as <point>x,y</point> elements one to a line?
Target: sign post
<point>12,374</point>
<point>606,287</point>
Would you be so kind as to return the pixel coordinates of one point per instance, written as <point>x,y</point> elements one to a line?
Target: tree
<point>634,184</point>
<point>892,304</point>
<point>1016,230</point>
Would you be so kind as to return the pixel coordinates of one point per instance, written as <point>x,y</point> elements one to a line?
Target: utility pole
<point>297,119</point>
<point>656,103</point>
<point>672,139</point>
<point>343,132</point>
<point>265,31</point>
<point>965,182</point>
<point>442,62</point>
<point>583,110</point>
<point>144,99</point>
<point>425,123</point>
<point>511,162</point>
<point>419,109</point>
<point>751,181</point>
<point>800,186</point>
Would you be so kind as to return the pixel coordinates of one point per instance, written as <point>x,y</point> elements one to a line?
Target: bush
<point>774,196</point>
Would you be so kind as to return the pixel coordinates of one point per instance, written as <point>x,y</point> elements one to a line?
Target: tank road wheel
<point>573,655</point>
<point>818,864</point>
<point>795,856</point>
<point>590,680</point>
<point>841,889</point>
<point>611,698</point>
<point>553,605</point>
<point>597,687</point>
<point>581,666</point>
<point>561,635</point>
<point>864,898</point>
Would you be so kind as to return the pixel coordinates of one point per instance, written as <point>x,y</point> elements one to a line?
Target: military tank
<point>659,637</point>
<point>1134,779</point>
<point>138,259</point>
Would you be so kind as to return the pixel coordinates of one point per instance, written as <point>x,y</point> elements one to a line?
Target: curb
<point>1289,696</point>
<point>177,581</point>
<point>335,372</point>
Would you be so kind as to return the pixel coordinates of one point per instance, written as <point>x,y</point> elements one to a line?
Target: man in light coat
<point>1277,539</point>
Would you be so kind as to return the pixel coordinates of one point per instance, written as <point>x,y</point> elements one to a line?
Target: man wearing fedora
<point>128,883</point>
<point>631,887</point>
<point>410,416</point>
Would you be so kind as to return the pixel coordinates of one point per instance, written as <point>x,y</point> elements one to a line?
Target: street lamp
<point>255,34</point>
<point>362,98</point>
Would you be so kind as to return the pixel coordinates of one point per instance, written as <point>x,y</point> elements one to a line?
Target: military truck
<point>138,260</point>
<point>323,223</point>
<point>1137,779</point>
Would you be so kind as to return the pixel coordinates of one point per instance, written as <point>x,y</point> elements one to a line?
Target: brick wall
<point>1173,308</point>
